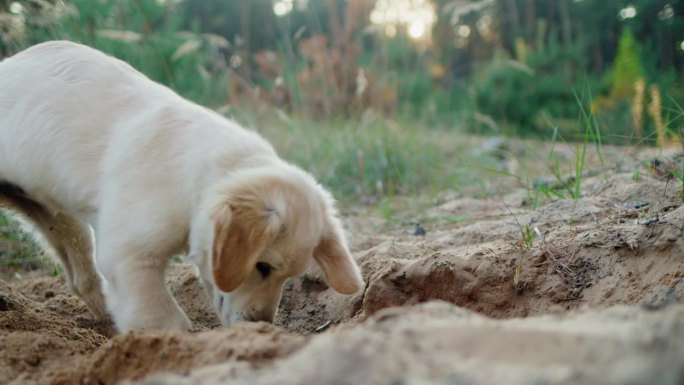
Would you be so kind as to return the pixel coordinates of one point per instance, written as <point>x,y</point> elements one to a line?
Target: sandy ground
<point>594,297</point>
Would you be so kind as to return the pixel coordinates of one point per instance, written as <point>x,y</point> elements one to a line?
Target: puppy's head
<point>261,227</point>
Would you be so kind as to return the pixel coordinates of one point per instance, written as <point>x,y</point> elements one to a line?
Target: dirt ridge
<point>621,244</point>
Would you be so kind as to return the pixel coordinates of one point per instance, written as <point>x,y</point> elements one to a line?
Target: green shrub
<point>506,91</point>
<point>18,249</point>
<point>627,67</point>
<point>144,33</point>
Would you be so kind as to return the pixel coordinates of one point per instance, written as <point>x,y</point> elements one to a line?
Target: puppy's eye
<point>264,269</point>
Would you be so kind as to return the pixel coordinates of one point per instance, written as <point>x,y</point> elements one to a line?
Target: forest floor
<point>489,290</point>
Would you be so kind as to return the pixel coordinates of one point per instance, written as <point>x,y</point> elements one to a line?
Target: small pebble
<point>419,230</point>
<point>32,360</point>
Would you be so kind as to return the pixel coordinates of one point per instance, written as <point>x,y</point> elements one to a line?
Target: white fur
<point>91,139</point>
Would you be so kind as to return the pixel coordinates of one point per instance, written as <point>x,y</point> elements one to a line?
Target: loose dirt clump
<point>136,354</point>
<point>438,343</point>
<point>34,343</point>
<point>529,297</point>
<point>40,347</point>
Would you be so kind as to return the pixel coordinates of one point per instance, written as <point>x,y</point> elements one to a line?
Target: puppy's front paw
<point>138,299</point>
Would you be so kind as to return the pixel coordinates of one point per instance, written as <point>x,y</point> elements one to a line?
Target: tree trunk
<point>514,18</point>
<point>566,23</point>
<point>245,19</point>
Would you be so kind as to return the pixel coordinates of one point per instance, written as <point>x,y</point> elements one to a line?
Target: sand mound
<point>33,343</point>
<point>533,306</point>
<point>39,346</point>
<point>438,343</point>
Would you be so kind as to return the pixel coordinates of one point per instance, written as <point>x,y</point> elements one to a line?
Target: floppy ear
<point>337,263</point>
<point>241,233</point>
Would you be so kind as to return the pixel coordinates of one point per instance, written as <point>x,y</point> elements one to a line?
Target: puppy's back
<point>75,82</point>
<point>59,103</point>
<point>70,115</point>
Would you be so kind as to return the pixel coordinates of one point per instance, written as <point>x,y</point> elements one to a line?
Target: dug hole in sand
<point>594,297</point>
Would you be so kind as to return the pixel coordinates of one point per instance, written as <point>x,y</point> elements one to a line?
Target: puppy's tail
<point>15,198</point>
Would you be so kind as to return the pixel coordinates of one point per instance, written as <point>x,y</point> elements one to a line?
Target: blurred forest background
<point>525,67</point>
<point>373,80</point>
<point>392,98</point>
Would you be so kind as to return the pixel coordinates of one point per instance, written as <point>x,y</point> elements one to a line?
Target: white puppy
<point>86,140</point>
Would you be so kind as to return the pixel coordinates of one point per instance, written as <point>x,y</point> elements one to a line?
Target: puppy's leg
<point>71,242</point>
<point>75,239</point>
<point>134,245</point>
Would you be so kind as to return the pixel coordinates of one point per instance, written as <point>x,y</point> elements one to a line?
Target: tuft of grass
<point>591,133</point>
<point>567,178</point>
<point>579,170</point>
<point>572,185</point>
<point>527,237</point>
<point>551,190</point>
<point>18,248</point>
